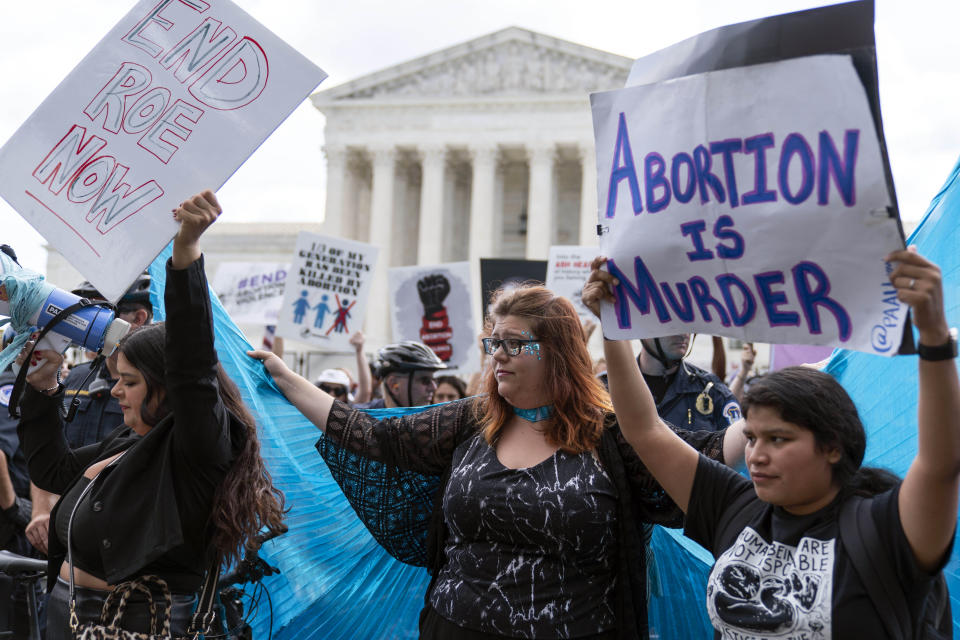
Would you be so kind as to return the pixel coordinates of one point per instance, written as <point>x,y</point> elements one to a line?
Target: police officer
<point>15,507</point>
<point>406,373</point>
<point>686,395</point>
<point>98,412</point>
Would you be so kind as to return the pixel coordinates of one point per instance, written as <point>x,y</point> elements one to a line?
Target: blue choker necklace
<point>536,414</point>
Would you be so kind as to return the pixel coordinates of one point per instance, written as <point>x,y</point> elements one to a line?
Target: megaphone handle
<point>21,381</point>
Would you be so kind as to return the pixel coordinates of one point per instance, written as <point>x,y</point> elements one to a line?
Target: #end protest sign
<point>749,202</point>
<point>172,101</point>
<point>432,304</point>
<point>568,268</point>
<point>251,292</point>
<point>325,300</point>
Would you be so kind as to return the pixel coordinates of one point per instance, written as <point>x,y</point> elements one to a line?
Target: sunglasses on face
<point>334,391</point>
<point>512,346</point>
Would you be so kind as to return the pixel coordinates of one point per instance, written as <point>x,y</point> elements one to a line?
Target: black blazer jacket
<point>156,501</point>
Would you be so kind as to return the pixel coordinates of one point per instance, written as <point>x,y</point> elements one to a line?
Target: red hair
<point>579,399</point>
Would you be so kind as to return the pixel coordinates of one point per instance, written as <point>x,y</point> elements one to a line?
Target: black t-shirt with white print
<point>786,577</point>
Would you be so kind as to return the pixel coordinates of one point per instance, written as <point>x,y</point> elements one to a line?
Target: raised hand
<point>356,341</point>
<point>194,215</point>
<point>598,286</point>
<point>919,284</point>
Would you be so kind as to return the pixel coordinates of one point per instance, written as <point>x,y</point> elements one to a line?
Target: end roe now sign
<point>749,202</point>
<point>172,100</point>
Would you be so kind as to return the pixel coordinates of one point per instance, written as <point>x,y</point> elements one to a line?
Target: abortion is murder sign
<point>750,201</point>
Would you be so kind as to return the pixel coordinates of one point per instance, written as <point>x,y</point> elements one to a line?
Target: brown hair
<point>246,500</point>
<point>579,399</point>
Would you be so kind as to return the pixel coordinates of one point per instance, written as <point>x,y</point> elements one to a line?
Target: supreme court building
<point>484,149</point>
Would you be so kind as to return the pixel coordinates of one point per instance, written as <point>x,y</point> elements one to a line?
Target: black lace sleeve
<point>651,502</point>
<point>423,442</point>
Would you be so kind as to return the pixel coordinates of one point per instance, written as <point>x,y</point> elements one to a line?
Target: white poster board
<point>251,292</point>
<point>172,101</point>
<point>433,305</point>
<point>326,293</point>
<point>568,268</point>
<point>751,203</point>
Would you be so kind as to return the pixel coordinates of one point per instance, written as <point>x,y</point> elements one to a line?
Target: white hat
<point>333,376</point>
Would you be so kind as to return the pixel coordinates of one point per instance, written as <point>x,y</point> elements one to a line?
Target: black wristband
<point>945,351</point>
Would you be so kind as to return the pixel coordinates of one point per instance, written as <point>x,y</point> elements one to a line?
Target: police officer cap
<point>406,356</point>
<point>139,291</point>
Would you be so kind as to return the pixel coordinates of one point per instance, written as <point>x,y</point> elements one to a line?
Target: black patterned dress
<point>555,550</point>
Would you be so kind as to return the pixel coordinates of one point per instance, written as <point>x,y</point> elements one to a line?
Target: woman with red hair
<point>543,509</point>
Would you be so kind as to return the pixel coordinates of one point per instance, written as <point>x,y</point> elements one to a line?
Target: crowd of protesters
<point>553,468</point>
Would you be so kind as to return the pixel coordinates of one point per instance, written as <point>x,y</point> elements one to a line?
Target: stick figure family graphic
<point>339,315</point>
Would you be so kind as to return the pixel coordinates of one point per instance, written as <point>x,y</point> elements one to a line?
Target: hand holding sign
<point>767,221</point>
<point>599,287</point>
<point>919,284</point>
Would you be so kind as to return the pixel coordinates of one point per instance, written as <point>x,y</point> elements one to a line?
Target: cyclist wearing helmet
<point>686,395</point>
<point>406,373</point>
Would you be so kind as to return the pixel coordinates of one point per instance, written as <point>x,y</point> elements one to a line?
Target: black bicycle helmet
<point>139,291</point>
<point>406,356</point>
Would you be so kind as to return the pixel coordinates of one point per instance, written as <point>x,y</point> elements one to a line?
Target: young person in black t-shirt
<point>782,568</point>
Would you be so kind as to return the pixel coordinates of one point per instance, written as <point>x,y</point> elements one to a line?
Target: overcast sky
<point>919,79</point>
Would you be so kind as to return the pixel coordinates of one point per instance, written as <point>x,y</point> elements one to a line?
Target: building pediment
<point>511,62</point>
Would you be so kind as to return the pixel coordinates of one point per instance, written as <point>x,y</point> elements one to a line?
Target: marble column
<point>588,195</point>
<point>482,216</point>
<point>430,241</point>
<point>381,236</point>
<point>333,223</point>
<point>484,160</point>
<point>540,201</point>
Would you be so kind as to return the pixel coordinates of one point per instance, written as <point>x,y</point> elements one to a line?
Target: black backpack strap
<point>862,543</point>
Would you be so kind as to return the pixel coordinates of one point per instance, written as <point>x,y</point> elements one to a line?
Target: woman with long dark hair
<point>787,565</point>
<point>180,486</point>
<point>538,525</point>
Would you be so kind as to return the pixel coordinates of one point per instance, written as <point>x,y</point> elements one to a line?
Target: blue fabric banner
<point>337,582</point>
<point>885,389</point>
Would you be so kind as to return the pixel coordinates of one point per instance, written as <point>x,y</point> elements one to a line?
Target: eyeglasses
<point>334,391</point>
<point>511,346</point>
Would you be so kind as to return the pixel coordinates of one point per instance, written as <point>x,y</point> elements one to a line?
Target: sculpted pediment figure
<point>511,62</point>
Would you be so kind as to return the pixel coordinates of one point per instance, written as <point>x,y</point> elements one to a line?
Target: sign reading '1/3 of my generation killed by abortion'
<point>172,101</point>
<point>327,289</point>
<point>749,202</point>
